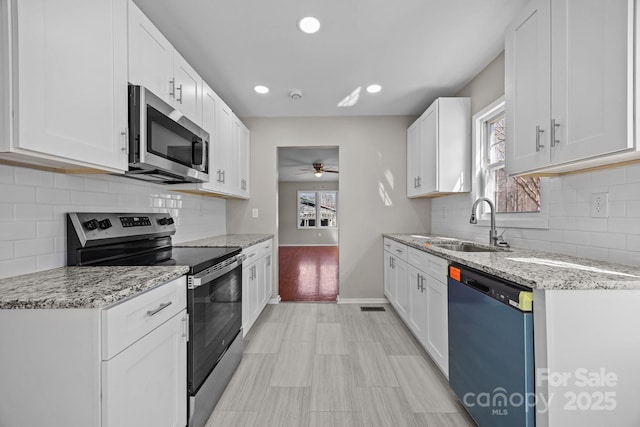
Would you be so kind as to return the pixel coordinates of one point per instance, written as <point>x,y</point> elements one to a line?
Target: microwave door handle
<point>197,161</point>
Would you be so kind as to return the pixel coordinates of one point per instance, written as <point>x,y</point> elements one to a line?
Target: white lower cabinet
<point>121,365</point>
<point>256,282</point>
<point>396,276</point>
<point>417,289</point>
<point>145,384</point>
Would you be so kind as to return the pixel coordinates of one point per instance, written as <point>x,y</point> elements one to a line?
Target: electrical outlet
<point>600,205</point>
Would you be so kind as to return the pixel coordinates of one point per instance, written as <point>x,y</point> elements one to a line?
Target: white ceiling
<point>291,160</point>
<point>416,49</point>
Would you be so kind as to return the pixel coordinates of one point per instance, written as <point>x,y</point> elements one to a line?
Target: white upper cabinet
<point>439,149</point>
<point>65,103</point>
<point>570,86</point>
<point>244,160</point>
<point>156,65</point>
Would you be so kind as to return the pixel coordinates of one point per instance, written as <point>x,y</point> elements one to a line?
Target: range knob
<point>104,224</point>
<point>165,221</point>
<point>92,224</point>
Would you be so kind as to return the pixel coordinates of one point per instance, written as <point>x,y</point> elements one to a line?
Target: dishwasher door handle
<point>477,286</point>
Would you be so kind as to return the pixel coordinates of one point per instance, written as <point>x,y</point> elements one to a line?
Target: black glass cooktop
<point>197,258</point>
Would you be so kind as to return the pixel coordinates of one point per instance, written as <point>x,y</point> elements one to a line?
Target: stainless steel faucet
<point>493,233</point>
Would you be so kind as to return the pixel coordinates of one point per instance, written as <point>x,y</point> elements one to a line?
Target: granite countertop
<point>535,269</point>
<point>82,287</point>
<point>229,240</point>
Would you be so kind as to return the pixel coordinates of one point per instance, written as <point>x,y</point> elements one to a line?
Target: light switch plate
<point>254,212</point>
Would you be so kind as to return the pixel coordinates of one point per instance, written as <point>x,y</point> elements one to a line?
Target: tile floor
<point>329,365</point>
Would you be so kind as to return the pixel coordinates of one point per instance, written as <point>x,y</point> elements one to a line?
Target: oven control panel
<point>93,226</point>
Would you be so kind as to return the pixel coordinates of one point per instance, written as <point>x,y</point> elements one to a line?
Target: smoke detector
<point>295,94</point>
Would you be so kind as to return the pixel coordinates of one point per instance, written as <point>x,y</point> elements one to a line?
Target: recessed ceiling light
<point>261,89</point>
<point>309,25</point>
<point>374,88</point>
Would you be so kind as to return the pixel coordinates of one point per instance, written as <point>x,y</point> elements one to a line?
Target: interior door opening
<point>308,223</point>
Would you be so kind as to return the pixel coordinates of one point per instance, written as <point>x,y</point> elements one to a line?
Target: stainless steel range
<point>214,294</point>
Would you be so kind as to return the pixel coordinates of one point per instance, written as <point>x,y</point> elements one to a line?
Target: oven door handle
<point>212,273</point>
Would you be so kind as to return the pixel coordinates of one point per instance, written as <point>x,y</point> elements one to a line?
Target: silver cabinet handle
<point>224,176</point>
<point>554,125</point>
<point>159,309</point>
<point>185,327</point>
<point>418,282</point>
<point>399,251</point>
<point>419,181</point>
<point>125,144</point>
<point>539,146</point>
<point>172,92</point>
<point>180,89</point>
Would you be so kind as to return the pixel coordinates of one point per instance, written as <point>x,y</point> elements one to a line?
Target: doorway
<point>308,223</point>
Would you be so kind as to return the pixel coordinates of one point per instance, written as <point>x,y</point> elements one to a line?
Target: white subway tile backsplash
<point>33,177</point>
<point>31,247</point>
<point>17,193</point>
<point>52,196</point>
<point>33,212</point>
<point>17,266</point>
<point>572,230</point>
<point>10,231</point>
<point>6,250</point>
<point>6,174</point>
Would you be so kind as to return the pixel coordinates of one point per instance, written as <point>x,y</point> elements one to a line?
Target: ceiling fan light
<point>318,174</point>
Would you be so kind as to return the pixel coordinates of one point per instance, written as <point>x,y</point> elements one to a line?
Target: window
<point>518,200</point>
<point>317,209</point>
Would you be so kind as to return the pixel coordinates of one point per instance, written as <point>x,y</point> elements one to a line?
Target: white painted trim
<point>302,244</point>
<point>275,300</point>
<point>361,300</point>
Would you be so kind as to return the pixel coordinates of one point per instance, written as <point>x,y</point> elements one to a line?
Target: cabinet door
<point>437,343</point>
<point>150,56</point>
<point>418,304</point>
<point>188,89</point>
<point>401,273</point>
<point>72,85</point>
<point>236,134</point>
<point>222,148</point>
<point>210,102</point>
<point>413,158</point>
<point>429,150</point>
<point>527,88</point>
<point>244,160</point>
<point>146,384</point>
<point>592,77</point>
<point>267,283</point>
<point>389,278</point>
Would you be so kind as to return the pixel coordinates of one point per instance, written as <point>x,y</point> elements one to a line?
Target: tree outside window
<point>510,194</point>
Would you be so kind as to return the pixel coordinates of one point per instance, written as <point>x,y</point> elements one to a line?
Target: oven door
<point>214,302</point>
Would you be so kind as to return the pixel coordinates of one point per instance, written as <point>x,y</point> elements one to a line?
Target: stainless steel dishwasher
<point>491,366</point>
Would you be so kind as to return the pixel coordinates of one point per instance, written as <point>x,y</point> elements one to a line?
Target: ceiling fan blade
<point>331,171</point>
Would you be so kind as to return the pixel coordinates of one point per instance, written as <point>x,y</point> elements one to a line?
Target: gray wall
<point>289,233</point>
<point>372,198</point>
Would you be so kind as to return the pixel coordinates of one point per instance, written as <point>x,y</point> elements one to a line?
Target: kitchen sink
<point>467,247</point>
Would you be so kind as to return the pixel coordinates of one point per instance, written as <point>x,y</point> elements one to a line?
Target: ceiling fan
<point>318,169</point>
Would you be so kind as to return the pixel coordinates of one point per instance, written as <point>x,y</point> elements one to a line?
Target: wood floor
<point>308,273</point>
<point>330,365</point>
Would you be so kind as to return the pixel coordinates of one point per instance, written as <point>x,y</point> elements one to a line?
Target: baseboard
<point>275,300</point>
<point>340,300</point>
<point>308,244</point>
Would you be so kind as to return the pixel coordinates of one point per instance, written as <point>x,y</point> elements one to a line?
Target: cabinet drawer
<point>265,248</point>
<point>251,253</point>
<point>126,322</point>
<point>397,249</point>
<point>434,266</point>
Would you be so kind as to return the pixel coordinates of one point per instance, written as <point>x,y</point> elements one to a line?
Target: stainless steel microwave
<point>164,146</point>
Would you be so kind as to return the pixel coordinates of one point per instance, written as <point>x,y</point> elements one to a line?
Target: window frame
<point>481,176</point>
<point>317,225</point>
